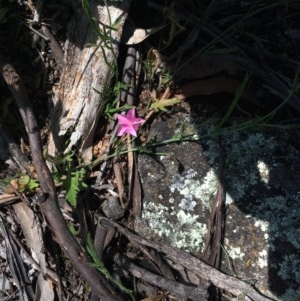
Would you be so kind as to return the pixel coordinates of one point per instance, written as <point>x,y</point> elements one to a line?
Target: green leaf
<point>163,103</point>
<point>26,183</point>
<point>73,230</point>
<point>238,94</point>
<point>33,184</point>
<point>73,184</point>
<point>99,265</point>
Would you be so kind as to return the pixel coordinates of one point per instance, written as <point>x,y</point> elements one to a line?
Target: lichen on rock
<point>262,181</point>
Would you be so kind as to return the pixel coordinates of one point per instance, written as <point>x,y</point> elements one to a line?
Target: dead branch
<point>205,271</point>
<point>179,289</point>
<point>47,196</point>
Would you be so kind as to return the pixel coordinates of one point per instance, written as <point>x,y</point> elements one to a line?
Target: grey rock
<point>261,179</point>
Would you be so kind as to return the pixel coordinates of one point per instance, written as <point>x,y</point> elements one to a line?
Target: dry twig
<point>205,271</point>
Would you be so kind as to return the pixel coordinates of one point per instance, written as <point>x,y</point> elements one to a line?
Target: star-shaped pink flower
<point>129,123</point>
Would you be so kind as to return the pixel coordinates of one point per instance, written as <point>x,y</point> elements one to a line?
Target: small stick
<point>205,271</point>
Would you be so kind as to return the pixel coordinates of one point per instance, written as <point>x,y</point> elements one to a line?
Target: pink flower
<point>129,123</point>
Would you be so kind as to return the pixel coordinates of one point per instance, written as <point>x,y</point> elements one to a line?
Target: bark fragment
<point>89,66</point>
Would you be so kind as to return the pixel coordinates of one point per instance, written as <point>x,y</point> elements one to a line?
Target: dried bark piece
<point>89,65</point>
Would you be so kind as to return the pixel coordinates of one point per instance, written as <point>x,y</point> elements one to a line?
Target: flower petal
<point>123,119</point>
<point>131,114</point>
<point>132,131</point>
<point>128,123</point>
<point>138,121</point>
<point>121,131</point>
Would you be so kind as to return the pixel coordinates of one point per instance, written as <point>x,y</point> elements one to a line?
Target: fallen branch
<point>205,271</point>
<point>174,287</point>
<point>47,196</point>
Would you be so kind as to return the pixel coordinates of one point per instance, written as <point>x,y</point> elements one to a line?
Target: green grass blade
<point>234,102</point>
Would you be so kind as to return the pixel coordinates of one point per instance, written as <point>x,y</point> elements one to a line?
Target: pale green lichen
<point>234,252</point>
<point>191,188</point>
<point>263,225</point>
<point>185,232</point>
<point>185,128</point>
<point>243,154</point>
<point>187,204</point>
<point>281,213</point>
<point>250,160</point>
<point>264,171</point>
<point>263,259</point>
<point>258,159</point>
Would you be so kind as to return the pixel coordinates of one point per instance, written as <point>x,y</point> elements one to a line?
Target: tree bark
<point>89,66</point>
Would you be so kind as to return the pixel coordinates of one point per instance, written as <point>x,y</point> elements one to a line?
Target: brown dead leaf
<point>212,86</point>
<point>205,66</point>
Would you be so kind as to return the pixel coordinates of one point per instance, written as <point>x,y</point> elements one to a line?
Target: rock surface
<point>261,179</point>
